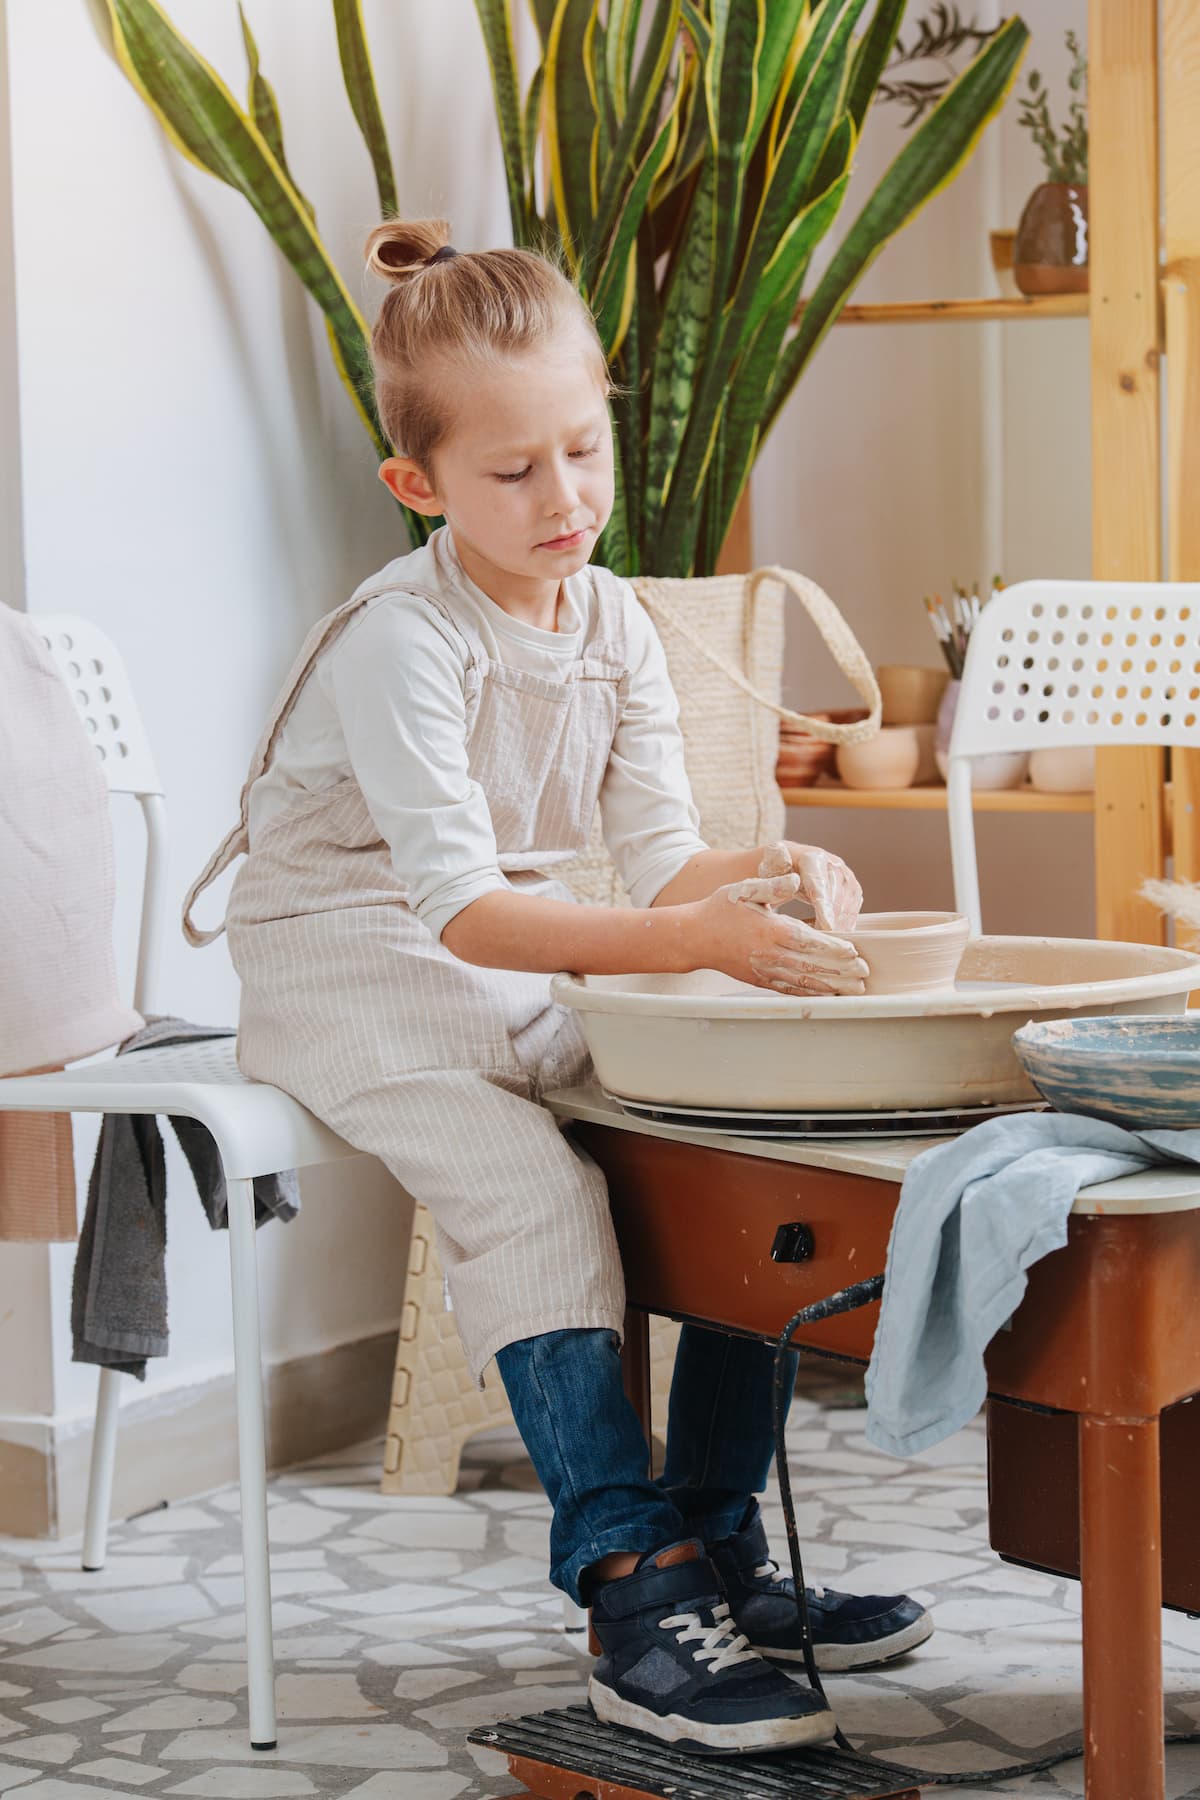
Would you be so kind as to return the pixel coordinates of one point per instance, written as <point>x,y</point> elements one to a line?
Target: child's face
<point>525,476</point>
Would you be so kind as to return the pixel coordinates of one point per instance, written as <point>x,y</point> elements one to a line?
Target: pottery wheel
<point>886,1122</point>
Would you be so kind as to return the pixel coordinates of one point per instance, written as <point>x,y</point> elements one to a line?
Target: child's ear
<point>410,485</point>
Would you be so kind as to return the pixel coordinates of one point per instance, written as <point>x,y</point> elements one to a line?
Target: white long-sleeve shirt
<point>386,704</point>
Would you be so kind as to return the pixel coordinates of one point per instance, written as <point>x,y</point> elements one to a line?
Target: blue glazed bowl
<point>1133,1070</point>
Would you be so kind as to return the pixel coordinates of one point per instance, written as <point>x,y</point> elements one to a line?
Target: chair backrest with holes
<point>95,675</point>
<point>1070,663</point>
<point>1082,662</point>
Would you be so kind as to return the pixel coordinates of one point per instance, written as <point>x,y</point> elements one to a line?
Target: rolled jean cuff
<point>707,1515</point>
<point>634,1539</point>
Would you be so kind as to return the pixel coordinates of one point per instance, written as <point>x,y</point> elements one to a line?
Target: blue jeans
<point>590,1453</point>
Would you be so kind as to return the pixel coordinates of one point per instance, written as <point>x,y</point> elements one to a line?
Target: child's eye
<point>590,451</point>
<point>518,476</point>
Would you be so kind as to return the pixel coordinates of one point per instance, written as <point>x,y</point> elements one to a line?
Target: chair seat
<point>258,1128</point>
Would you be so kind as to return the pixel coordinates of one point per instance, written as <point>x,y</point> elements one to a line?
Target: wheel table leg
<point>1120,1538</point>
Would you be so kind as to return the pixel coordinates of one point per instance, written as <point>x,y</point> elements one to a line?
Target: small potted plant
<point>1051,252</point>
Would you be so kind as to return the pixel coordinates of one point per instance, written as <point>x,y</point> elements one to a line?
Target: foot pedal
<point>569,1755</point>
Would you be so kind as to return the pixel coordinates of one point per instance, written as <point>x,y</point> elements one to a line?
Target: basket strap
<point>840,641</point>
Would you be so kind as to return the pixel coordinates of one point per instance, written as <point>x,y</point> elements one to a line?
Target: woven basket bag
<point>723,639</point>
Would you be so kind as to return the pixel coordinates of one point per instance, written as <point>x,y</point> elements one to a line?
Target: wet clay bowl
<point>1140,1072</point>
<point>910,952</point>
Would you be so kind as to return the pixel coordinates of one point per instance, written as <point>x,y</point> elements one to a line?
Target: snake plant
<point>682,158</point>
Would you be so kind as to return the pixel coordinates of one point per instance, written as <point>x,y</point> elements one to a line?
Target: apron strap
<point>236,841</point>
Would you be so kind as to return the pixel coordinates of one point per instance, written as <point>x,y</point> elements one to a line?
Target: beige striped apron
<point>435,1065</point>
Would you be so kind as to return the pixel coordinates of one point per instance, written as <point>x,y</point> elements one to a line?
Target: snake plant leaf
<point>543,18</point>
<point>742,434</point>
<point>570,124</point>
<point>871,57</point>
<point>780,223</point>
<point>745,380</point>
<point>804,161</point>
<point>495,21</point>
<point>595,66</point>
<point>929,160</point>
<point>631,142</point>
<point>364,98</point>
<point>624,17</point>
<point>784,28</point>
<point>612,296</point>
<point>531,126</point>
<point>697,28</point>
<point>679,353</point>
<point>615,547</point>
<point>201,116</point>
<point>265,108</point>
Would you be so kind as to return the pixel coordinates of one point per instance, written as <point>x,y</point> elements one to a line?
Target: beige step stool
<point>436,1406</point>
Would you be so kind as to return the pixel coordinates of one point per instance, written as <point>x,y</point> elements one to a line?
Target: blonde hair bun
<point>401,247</point>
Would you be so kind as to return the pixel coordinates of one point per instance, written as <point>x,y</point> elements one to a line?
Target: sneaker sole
<point>835,1658</point>
<point>711,1740</point>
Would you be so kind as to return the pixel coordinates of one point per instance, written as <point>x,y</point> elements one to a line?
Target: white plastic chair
<point>1057,663</point>
<point>258,1130</point>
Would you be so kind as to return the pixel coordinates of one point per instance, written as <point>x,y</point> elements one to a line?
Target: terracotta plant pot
<point>803,759</point>
<point>1051,252</point>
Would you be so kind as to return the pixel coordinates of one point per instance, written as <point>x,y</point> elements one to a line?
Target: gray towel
<point>119,1291</point>
<point>974,1213</point>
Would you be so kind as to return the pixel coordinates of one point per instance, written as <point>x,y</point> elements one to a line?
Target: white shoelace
<point>721,1643</point>
<point>771,1569</point>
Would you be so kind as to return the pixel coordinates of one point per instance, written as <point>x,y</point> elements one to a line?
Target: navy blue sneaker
<point>675,1667</point>
<point>849,1631</point>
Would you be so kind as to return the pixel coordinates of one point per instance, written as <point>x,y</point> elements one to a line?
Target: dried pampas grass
<point>1180,900</point>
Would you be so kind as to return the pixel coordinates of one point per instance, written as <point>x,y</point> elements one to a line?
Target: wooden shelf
<point>933,799</point>
<point>964,312</point>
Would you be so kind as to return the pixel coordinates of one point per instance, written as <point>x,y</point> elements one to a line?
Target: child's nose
<point>564,489</point>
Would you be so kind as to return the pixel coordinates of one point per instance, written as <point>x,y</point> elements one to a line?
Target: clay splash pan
<point>703,1039</point>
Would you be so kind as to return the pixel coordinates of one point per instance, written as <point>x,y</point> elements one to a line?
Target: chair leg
<point>252,1465</point>
<point>100,1474</point>
<point>575,1618</point>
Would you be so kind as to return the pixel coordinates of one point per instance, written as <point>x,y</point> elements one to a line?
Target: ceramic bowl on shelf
<point>888,760</point>
<point>1063,769</point>
<point>910,952</point>
<point>1142,1072</point>
<point>1003,769</point>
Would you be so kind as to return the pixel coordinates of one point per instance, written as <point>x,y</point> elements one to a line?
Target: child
<point>440,744</point>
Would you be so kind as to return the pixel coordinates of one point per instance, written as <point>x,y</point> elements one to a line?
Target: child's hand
<point>828,884</point>
<point>740,935</point>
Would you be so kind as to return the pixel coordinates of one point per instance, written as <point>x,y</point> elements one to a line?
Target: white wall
<point>890,475</point>
<point>195,480</point>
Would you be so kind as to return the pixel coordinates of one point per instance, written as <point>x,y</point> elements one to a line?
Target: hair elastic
<point>443,255</point>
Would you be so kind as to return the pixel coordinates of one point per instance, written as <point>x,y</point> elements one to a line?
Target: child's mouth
<point>568,542</point>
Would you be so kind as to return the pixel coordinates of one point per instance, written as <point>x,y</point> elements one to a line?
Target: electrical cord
<point>849,1299</point>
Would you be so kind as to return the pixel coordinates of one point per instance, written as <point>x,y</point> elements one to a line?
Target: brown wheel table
<point>1106,1339</point>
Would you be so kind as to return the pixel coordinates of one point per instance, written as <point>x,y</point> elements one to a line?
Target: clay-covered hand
<point>749,940</point>
<point>828,884</point>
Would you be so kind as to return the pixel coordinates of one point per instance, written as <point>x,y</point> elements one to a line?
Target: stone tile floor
<point>402,1623</point>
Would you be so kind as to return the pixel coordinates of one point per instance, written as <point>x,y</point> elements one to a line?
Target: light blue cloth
<point>973,1214</point>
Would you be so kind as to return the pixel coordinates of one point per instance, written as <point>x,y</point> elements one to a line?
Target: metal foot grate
<point>569,1755</point>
